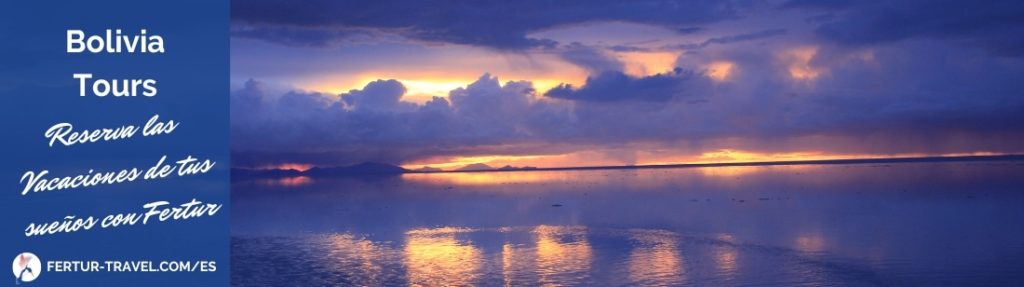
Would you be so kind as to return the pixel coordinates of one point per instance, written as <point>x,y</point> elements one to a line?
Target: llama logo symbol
<point>26,268</point>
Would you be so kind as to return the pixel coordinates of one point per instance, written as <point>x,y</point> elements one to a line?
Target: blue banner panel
<point>115,143</point>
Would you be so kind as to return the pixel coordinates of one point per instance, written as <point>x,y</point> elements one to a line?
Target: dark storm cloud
<point>493,23</point>
<point>617,86</point>
<point>735,38</point>
<point>729,39</point>
<point>371,124</point>
<point>821,4</point>
<point>379,95</point>
<point>994,25</point>
<point>297,36</point>
<point>592,59</point>
<point>689,30</point>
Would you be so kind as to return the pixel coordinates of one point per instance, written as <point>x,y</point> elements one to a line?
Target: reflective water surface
<point>923,224</point>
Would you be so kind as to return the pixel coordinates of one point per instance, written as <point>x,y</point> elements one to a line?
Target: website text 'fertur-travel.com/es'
<point>131,266</point>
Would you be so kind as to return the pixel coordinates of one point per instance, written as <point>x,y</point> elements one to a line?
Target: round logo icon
<point>26,267</point>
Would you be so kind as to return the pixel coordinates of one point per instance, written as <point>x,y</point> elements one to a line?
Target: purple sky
<point>556,83</point>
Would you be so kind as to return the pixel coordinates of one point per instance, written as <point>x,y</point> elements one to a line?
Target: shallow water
<point>926,224</point>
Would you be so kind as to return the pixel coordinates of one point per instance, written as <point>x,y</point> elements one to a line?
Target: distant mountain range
<point>475,167</point>
<point>509,167</point>
<point>366,168</point>
<point>362,169</point>
<point>383,169</point>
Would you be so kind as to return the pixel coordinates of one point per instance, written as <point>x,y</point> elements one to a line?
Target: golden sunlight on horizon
<point>739,156</point>
<point>460,161</point>
<point>730,155</point>
<point>291,165</point>
<point>596,158</point>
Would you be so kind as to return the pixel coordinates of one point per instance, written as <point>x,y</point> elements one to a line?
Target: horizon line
<point>968,158</point>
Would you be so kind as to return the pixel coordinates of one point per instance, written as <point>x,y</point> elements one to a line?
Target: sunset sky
<point>580,83</point>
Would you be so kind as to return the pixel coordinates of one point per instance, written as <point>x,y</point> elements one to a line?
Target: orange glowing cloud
<point>640,64</point>
<point>421,88</point>
<point>720,70</point>
<point>799,60</point>
<point>442,69</point>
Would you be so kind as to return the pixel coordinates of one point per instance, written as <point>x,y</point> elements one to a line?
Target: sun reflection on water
<point>656,261</point>
<point>437,258</point>
<point>726,256</point>
<point>292,181</point>
<point>610,236</point>
<point>349,251</point>
<point>507,263</point>
<point>728,171</point>
<point>488,178</point>
<point>810,242</point>
<point>542,255</point>
<point>563,254</point>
